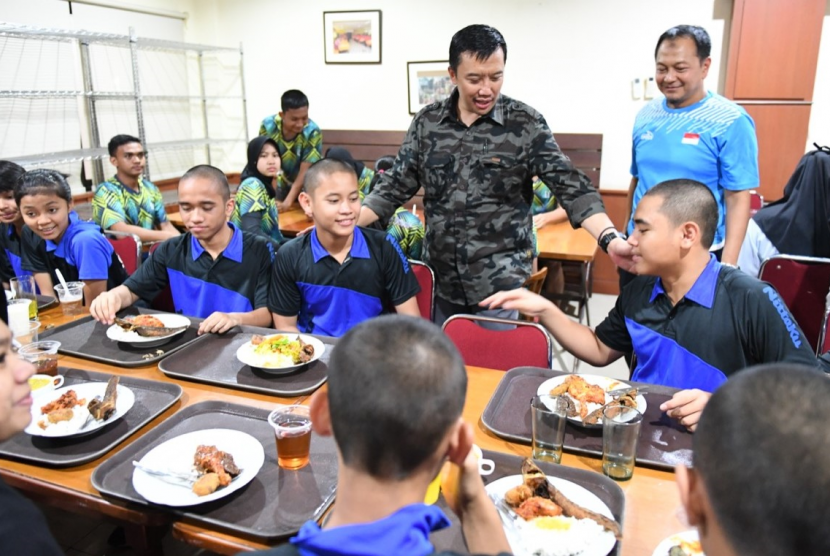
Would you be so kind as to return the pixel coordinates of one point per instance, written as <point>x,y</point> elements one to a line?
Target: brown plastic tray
<point>604,488</point>
<point>272,506</point>
<point>213,360</point>
<point>87,338</point>
<point>151,399</point>
<point>663,442</point>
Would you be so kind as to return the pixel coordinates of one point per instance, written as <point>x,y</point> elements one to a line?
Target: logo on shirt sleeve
<point>690,139</point>
<point>647,136</point>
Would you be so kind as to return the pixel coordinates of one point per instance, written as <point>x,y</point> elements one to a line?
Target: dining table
<point>652,504</point>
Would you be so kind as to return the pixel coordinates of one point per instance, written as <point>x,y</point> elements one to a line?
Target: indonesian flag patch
<point>690,139</point>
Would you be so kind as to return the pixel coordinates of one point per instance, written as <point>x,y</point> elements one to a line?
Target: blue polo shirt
<point>329,298</point>
<point>82,253</point>
<point>726,322</point>
<point>712,141</point>
<point>235,282</point>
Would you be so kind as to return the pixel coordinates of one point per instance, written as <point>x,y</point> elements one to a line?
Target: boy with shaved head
<point>690,321</point>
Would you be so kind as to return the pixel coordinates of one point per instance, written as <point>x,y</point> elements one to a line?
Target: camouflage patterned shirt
<point>478,190</point>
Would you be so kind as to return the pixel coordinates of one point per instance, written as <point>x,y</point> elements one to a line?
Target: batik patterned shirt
<point>114,202</point>
<point>251,196</point>
<point>307,146</point>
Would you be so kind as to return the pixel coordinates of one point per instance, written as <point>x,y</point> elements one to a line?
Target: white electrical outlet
<point>651,88</point>
<point>636,88</point>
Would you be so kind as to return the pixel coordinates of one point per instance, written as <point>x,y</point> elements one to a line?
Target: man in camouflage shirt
<point>475,155</point>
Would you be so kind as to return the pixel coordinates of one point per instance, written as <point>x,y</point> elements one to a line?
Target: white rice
<point>582,535</point>
<point>80,414</point>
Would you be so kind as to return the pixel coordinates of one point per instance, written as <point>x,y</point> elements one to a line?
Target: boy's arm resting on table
<point>296,187</point>
<point>92,289</point>
<point>107,304</point>
<point>44,283</point>
<point>219,323</point>
<point>168,227</point>
<point>551,217</point>
<point>285,324</point>
<point>144,234</point>
<point>578,339</point>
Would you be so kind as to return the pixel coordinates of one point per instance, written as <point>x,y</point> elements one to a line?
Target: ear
<point>113,161</point>
<point>691,495</point>
<point>319,412</point>
<point>691,234</point>
<point>229,204</point>
<point>453,75</point>
<point>705,66</point>
<point>281,115</point>
<point>460,442</point>
<point>305,203</point>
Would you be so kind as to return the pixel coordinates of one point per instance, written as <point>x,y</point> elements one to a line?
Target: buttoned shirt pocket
<point>439,174</point>
<point>499,176</point>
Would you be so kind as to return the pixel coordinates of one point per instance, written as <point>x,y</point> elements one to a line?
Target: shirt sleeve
<point>266,261</point>
<point>93,255</point>
<point>738,156</point>
<point>251,197</point>
<point>401,283</point>
<point>284,297</point>
<point>612,331</point>
<point>158,206</point>
<point>32,252</point>
<point>571,186</point>
<point>107,208</point>
<point>397,185</point>
<point>151,277</point>
<point>313,150</point>
<point>6,270</point>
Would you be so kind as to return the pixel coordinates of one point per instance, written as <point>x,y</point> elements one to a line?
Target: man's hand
<point>525,301</point>
<point>104,307</point>
<point>218,323</point>
<point>284,206</point>
<point>620,252</point>
<point>686,406</point>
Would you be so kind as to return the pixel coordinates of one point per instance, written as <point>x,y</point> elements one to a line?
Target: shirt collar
<point>702,291</point>
<point>359,248</point>
<point>60,245</point>
<point>127,187</point>
<point>233,251</point>
<point>450,109</point>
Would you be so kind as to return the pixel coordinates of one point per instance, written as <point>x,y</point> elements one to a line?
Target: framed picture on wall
<point>352,37</point>
<point>428,82</point>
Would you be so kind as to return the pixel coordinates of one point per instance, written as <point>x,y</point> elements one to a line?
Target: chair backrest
<point>756,202</point>
<point>526,345</point>
<point>803,283</point>
<point>537,280</point>
<point>164,300</point>
<point>426,279</point>
<point>128,248</point>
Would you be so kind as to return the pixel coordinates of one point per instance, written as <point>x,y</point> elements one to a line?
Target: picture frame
<point>352,37</point>
<point>427,82</point>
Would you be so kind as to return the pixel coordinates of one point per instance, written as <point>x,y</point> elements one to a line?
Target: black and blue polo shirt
<point>329,298</point>
<point>10,244</point>
<point>235,282</point>
<point>82,253</point>
<point>726,322</point>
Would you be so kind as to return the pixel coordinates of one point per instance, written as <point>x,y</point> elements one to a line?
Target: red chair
<point>802,283</point>
<point>128,248</point>
<point>756,202</point>
<point>164,300</point>
<point>426,279</point>
<point>526,345</point>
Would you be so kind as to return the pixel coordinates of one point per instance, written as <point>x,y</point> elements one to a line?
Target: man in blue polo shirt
<point>215,271</point>
<point>691,321</point>
<point>695,134</point>
<point>337,276</point>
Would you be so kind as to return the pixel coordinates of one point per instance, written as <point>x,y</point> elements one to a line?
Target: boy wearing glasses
<point>127,202</point>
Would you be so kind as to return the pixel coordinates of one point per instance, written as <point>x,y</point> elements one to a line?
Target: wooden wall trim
<point>606,279</point>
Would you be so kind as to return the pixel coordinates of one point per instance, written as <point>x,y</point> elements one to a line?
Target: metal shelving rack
<point>97,152</point>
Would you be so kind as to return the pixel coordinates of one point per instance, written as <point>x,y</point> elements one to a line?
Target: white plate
<point>170,320</point>
<point>123,403</point>
<point>177,455</point>
<point>600,545</point>
<point>246,355</point>
<point>687,536</point>
<point>606,383</point>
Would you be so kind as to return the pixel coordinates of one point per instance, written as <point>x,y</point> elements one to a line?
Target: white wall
<point>819,130</point>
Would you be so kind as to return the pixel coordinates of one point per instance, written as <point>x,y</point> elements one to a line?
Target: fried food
<point>145,320</point>
<point>68,400</point>
<point>209,459</point>
<point>102,409</point>
<point>581,391</point>
<point>536,506</point>
<point>207,484</point>
<point>280,351</point>
<point>516,495</point>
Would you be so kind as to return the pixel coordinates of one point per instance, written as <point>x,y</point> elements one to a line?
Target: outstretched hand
<point>525,301</point>
<point>621,254</point>
<point>687,406</point>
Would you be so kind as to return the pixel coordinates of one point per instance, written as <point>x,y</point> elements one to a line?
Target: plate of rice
<point>280,353</point>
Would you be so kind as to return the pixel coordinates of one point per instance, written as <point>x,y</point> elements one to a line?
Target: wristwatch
<point>605,239</point>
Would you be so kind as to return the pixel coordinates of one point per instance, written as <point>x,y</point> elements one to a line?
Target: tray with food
<point>255,359</point>
<point>215,464</point>
<point>663,443</point>
<point>548,509</point>
<point>139,337</point>
<point>87,417</point>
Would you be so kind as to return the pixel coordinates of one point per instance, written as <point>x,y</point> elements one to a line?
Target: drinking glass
<point>548,417</point>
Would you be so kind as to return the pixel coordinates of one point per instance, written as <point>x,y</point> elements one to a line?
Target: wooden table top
<point>651,496</point>
<point>561,241</point>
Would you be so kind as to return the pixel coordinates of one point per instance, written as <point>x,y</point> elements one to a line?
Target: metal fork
<point>172,477</point>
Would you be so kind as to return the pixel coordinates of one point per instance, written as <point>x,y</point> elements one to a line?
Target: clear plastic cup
<point>43,355</point>
<point>71,297</point>
<point>292,429</point>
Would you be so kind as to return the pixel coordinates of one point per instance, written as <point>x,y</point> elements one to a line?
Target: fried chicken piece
<point>536,506</point>
<point>59,415</point>
<point>209,459</point>
<point>146,320</point>
<point>68,400</point>
<point>257,339</point>
<point>516,495</point>
<point>306,352</point>
<point>586,393</point>
<point>207,484</point>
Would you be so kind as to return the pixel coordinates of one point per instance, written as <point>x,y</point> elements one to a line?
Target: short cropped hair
<point>42,181</point>
<point>396,385</point>
<point>689,201</point>
<point>10,174</point>
<point>212,173</point>
<point>698,34</point>
<point>293,99</point>
<point>761,448</point>
<point>481,41</point>
<point>120,140</point>
<point>324,168</point>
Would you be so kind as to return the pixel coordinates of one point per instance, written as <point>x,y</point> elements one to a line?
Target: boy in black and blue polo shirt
<point>691,321</point>
<point>337,276</point>
<point>215,271</point>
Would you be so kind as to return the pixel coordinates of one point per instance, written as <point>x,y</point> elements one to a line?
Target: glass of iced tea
<point>292,428</point>
<point>71,297</point>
